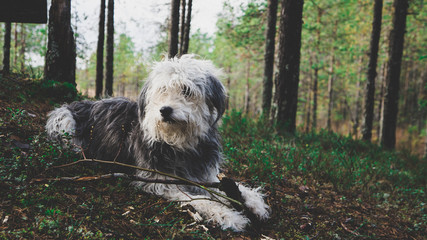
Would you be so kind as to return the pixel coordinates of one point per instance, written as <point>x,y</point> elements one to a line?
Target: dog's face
<point>181,101</point>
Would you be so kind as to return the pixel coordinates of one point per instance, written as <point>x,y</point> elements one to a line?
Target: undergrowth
<point>255,151</point>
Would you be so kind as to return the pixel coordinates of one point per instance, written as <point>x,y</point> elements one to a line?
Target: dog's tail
<point>60,123</point>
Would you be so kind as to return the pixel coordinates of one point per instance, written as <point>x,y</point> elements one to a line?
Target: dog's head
<point>181,101</point>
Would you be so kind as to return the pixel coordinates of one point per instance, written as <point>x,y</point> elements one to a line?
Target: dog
<point>172,128</point>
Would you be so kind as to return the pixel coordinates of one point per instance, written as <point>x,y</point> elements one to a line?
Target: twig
<point>189,182</point>
<point>348,230</point>
<point>122,175</point>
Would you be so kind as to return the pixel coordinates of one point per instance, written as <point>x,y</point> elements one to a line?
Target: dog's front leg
<point>211,210</point>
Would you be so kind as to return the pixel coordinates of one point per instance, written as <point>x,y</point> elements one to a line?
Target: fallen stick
<point>121,175</point>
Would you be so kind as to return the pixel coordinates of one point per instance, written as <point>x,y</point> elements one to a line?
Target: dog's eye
<point>186,92</point>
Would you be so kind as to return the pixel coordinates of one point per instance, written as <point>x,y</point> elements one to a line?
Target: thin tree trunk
<point>316,70</point>
<point>357,110</point>
<point>61,48</point>
<point>331,82</point>
<point>315,87</point>
<point>187,28</point>
<point>100,52</point>
<point>174,29</point>
<point>269,57</point>
<point>109,76</point>
<point>368,115</point>
<point>391,98</point>
<point>381,100</point>
<point>15,52</point>
<point>182,30</point>
<point>6,49</point>
<point>247,87</point>
<point>289,62</point>
<point>22,49</point>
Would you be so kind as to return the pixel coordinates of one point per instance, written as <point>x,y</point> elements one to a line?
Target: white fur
<point>60,122</point>
<point>166,82</point>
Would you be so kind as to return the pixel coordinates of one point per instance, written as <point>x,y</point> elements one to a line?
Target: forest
<point>326,111</point>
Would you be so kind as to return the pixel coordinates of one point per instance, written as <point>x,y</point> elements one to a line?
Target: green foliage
<point>58,91</point>
<point>255,152</point>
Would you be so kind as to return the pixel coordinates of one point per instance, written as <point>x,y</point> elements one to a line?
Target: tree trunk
<point>368,115</point>
<point>316,69</point>
<point>182,30</point>
<point>187,29</point>
<point>109,65</point>
<point>315,87</point>
<point>381,100</point>
<point>100,52</point>
<point>289,61</point>
<point>391,97</point>
<point>22,49</point>
<point>331,82</point>
<point>6,49</point>
<point>247,87</point>
<point>15,52</point>
<point>269,57</point>
<point>61,48</point>
<point>356,111</point>
<point>174,29</point>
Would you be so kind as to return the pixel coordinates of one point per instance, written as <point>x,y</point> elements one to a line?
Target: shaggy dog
<point>172,128</point>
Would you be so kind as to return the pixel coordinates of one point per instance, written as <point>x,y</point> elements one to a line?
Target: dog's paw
<point>221,215</point>
<point>255,202</point>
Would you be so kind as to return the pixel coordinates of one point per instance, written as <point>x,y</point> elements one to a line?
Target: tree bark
<point>174,29</point>
<point>368,115</point>
<point>289,62</point>
<point>60,61</point>
<point>22,49</point>
<point>6,49</point>
<point>187,28</point>
<point>109,78</point>
<point>316,69</point>
<point>388,135</point>
<point>100,52</point>
<point>269,57</point>
<point>182,30</point>
<point>331,82</point>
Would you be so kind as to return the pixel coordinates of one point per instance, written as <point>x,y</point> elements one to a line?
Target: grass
<point>319,185</point>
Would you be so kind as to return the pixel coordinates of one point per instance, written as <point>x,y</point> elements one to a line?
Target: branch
<point>180,179</point>
<point>121,175</point>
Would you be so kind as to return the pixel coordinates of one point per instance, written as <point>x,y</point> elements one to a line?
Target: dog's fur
<point>171,128</point>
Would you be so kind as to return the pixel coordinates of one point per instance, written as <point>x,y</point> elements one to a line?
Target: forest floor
<point>308,199</point>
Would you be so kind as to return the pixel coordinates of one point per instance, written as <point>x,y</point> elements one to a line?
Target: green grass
<point>256,152</point>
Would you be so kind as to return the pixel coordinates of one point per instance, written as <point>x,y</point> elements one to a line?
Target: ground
<point>303,205</point>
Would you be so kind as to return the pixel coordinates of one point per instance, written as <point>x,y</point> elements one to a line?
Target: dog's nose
<point>166,111</point>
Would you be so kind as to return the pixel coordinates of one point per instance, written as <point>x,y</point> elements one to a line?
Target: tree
<point>182,30</point>
<point>289,61</point>
<point>100,52</point>
<point>187,29</point>
<point>174,29</point>
<point>110,50</point>
<point>368,114</point>
<point>6,49</point>
<point>389,115</point>
<point>60,62</point>
<point>270,37</point>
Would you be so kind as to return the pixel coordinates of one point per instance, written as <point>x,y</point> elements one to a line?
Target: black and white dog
<point>173,128</point>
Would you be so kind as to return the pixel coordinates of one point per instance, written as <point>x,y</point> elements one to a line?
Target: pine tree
<point>289,61</point>
<point>368,114</point>
<point>269,57</point>
<point>100,52</point>
<point>110,50</point>
<point>388,132</point>
<point>61,48</point>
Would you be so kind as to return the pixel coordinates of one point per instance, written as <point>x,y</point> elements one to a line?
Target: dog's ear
<point>141,101</point>
<point>216,96</point>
